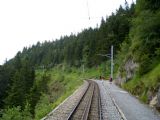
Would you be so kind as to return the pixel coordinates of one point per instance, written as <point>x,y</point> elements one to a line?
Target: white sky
<point>24,22</point>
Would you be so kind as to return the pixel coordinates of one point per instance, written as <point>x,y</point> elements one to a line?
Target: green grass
<point>141,85</point>
<point>63,82</point>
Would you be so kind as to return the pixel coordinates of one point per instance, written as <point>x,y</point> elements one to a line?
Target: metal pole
<point>83,68</point>
<point>112,61</point>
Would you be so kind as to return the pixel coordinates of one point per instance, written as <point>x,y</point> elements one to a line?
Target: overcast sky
<point>24,22</point>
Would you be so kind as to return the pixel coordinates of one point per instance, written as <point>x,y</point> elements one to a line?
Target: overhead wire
<point>88,10</point>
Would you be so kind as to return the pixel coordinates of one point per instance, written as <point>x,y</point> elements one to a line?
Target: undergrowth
<point>144,86</point>
<point>63,82</point>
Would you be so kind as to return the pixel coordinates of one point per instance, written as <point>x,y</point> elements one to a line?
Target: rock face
<point>126,72</point>
<point>158,99</point>
<point>130,67</point>
<point>153,102</point>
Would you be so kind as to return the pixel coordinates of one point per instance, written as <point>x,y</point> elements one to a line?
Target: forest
<point>133,30</point>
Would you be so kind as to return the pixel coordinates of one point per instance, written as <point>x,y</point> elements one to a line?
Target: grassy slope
<point>62,84</point>
<point>142,86</point>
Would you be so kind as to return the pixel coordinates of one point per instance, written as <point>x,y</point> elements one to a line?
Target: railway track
<point>89,106</point>
<point>93,102</point>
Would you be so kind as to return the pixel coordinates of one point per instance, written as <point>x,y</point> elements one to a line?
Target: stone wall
<point>126,72</point>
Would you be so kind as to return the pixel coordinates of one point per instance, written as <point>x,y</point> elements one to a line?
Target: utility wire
<point>88,10</point>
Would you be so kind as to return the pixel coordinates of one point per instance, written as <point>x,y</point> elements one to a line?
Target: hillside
<point>46,73</point>
<point>139,55</point>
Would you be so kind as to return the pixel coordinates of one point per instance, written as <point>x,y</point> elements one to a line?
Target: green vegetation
<point>63,82</point>
<point>49,89</point>
<point>141,86</point>
<point>142,47</point>
<point>40,77</point>
<point>15,113</point>
<point>60,86</point>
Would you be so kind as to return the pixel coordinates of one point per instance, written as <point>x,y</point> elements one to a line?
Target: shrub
<point>15,113</point>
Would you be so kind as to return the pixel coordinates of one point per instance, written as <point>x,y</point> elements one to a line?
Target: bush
<point>15,113</point>
<point>43,107</point>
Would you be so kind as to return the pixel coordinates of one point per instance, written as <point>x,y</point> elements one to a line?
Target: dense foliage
<point>146,35</point>
<point>134,32</point>
<point>143,47</point>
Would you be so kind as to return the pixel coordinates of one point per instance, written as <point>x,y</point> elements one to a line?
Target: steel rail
<point>99,104</point>
<point>76,106</point>
<point>85,114</point>
<point>88,106</point>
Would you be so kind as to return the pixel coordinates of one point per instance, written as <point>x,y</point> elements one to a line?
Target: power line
<point>88,10</point>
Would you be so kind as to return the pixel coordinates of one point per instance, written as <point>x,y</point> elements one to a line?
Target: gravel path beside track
<point>109,109</point>
<point>128,106</point>
<point>132,108</point>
